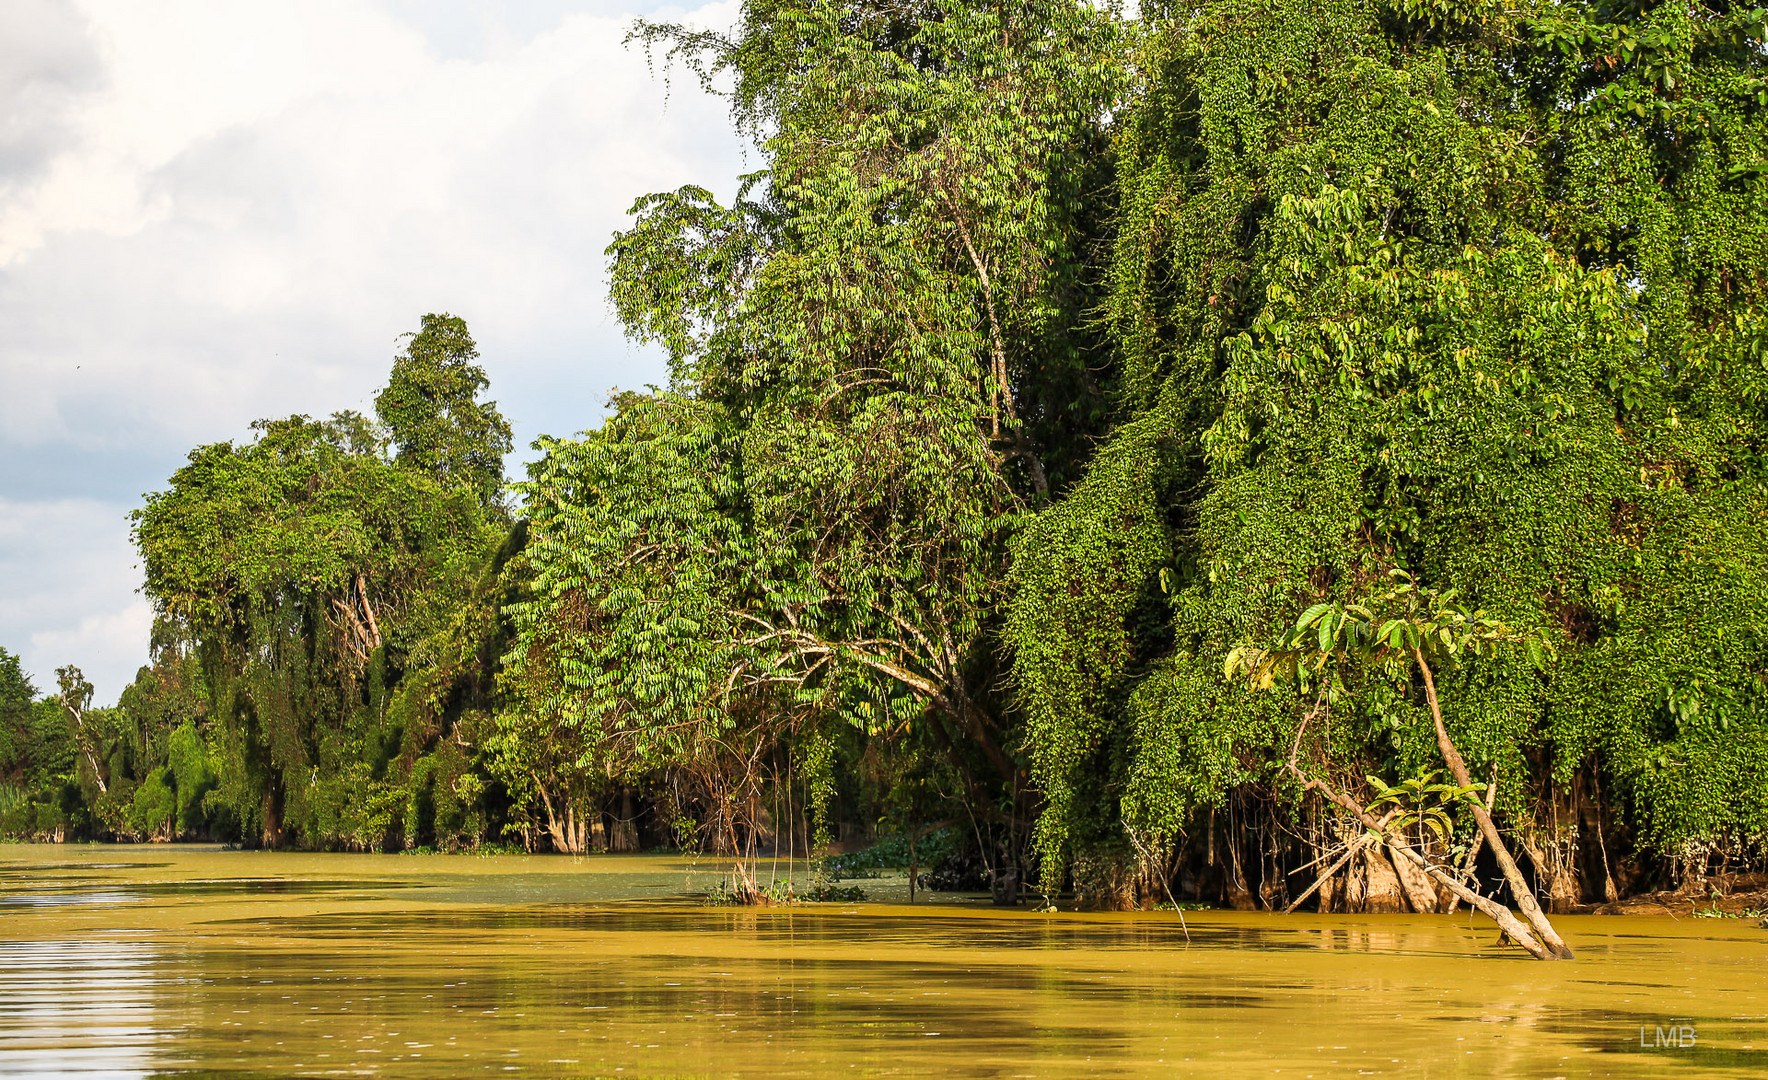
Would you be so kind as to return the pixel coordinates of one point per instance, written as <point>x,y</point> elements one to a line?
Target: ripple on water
<point>278,964</point>
<point>79,1008</point>
<point>68,899</point>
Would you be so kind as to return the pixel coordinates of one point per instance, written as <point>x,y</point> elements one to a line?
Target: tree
<point>1395,633</point>
<point>76,700</point>
<point>16,697</point>
<point>431,410</point>
<point>1465,291</point>
<point>39,761</point>
<point>165,714</point>
<point>310,576</point>
<point>616,663</point>
<point>877,365</point>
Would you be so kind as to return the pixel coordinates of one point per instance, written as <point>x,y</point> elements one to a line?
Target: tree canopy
<point>319,574</point>
<point>1466,292</point>
<point>431,412</point>
<point>1056,369</point>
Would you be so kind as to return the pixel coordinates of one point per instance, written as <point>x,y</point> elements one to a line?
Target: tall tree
<point>76,702</point>
<point>876,353</point>
<point>431,410</point>
<point>311,575</point>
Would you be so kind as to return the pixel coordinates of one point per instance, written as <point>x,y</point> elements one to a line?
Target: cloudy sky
<point>216,211</point>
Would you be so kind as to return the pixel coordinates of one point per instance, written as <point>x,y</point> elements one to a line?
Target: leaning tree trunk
<point>1493,910</point>
<point>1525,897</point>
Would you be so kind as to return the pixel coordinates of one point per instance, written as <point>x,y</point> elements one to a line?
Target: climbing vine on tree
<point>1148,440</point>
<point>1468,291</point>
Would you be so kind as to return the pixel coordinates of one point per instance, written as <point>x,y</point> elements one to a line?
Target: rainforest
<point>1248,453</point>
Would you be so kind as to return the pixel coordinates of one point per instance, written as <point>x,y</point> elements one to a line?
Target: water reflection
<point>67,899</point>
<point>265,965</point>
<point>79,1008</point>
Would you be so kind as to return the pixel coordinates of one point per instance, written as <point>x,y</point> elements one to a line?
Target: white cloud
<point>211,212</point>
<point>112,643</point>
<point>69,578</point>
<point>47,63</point>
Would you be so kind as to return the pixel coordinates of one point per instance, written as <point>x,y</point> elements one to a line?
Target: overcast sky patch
<point>214,212</point>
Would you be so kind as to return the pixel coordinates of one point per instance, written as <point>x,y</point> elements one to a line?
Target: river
<point>135,961</point>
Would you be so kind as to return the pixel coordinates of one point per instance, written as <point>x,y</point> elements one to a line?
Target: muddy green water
<point>145,961</point>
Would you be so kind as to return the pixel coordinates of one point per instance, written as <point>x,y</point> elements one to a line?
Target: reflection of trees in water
<point>79,1008</point>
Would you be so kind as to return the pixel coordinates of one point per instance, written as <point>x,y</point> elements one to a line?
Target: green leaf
<point>1311,616</point>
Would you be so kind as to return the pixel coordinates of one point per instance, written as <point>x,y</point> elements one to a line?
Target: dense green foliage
<point>432,415</point>
<point>36,757</point>
<point>1053,363</point>
<point>325,579</point>
<point>1469,292</point>
<point>140,769</point>
<point>878,365</point>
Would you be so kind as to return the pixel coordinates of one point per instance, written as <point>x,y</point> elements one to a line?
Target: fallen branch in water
<point>1493,910</point>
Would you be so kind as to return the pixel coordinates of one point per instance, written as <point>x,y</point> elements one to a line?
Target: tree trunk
<point>97,771</point>
<point>1497,912</point>
<point>273,813</point>
<point>624,836</point>
<point>563,831</point>
<point>1381,885</point>
<point>1452,901</point>
<point>1355,897</point>
<point>1609,893</point>
<point>1239,896</point>
<point>743,887</point>
<point>1493,910</point>
<point>1273,890</point>
<point>1519,889</point>
<point>1325,883</point>
<point>1550,871</point>
<point>1416,884</point>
